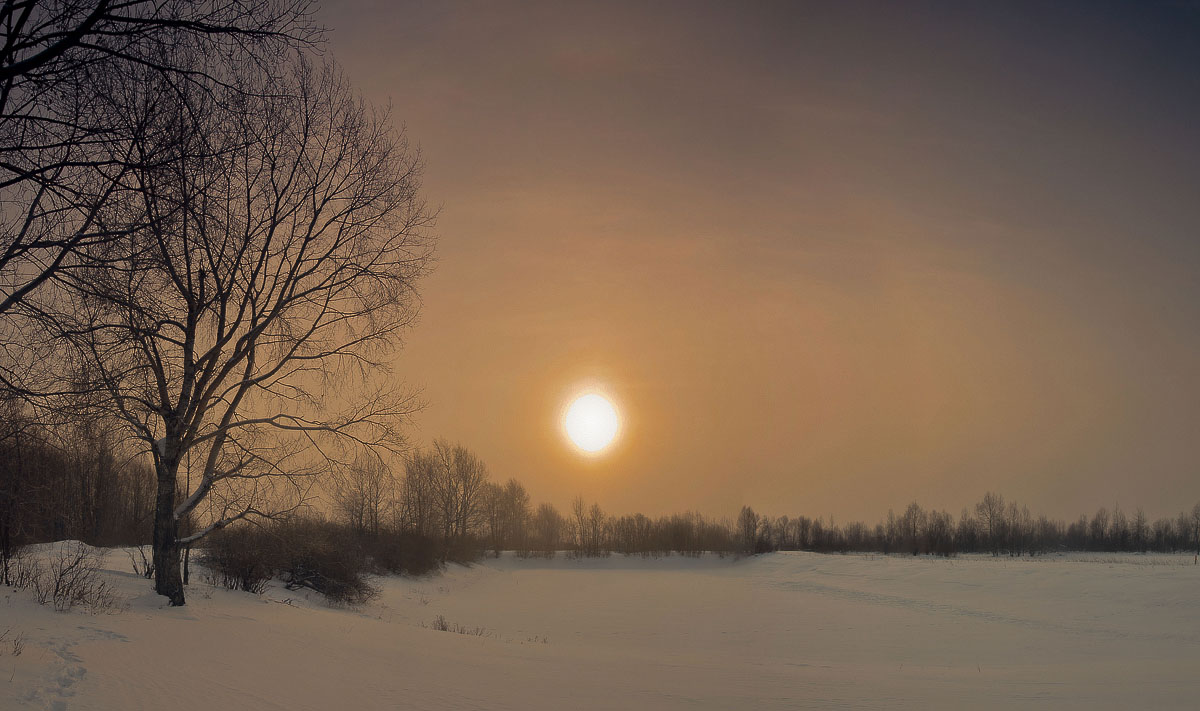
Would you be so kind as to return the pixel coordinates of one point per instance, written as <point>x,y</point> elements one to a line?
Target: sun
<point>592,422</point>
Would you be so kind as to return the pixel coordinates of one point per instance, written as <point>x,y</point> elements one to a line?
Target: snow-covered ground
<point>787,630</point>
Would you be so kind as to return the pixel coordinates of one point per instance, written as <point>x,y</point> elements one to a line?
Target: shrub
<point>441,625</point>
<point>144,568</point>
<point>310,553</point>
<point>13,643</point>
<point>24,568</point>
<point>70,576</point>
<point>325,558</point>
<point>466,549</point>
<point>239,558</point>
<point>403,553</point>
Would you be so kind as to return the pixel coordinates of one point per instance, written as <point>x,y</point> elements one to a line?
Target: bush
<point>14,644</point>
<point>305,553</point>
<point>467,549</point>
<point>315,554</point>
<point>70,576</point>
<point>24,567</point>
<point>239,558</point>
<point>403,553</point>
<point>145,568</point>
<point>325,558</point>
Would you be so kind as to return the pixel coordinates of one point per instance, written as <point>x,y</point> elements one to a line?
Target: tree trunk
<point>5,546</point>
<point>168,580</point>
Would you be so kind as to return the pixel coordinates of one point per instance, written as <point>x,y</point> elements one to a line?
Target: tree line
<point>444,495</point>
<point>437,504</point>
<point>991,526</point>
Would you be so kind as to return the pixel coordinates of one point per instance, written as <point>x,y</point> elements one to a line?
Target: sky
<point>826,258</point>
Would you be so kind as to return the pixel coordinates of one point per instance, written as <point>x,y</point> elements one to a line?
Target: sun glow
<point>591,422</point>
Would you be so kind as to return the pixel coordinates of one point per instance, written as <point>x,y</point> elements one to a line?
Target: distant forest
<point>441,505</point>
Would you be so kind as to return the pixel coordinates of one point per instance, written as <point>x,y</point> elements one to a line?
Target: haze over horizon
<point>827,258</point>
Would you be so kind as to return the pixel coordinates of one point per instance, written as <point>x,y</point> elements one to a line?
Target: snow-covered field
<point>787,630</point>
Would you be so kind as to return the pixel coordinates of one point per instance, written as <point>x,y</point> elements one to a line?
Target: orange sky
<point>829,258</point>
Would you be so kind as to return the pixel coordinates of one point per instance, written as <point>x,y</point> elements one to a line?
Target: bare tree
<point>912,525</point>
<point>505,511</point>
<point>548,529</point>
<point>363,494</point>
<point>1119,529</point>
<point>417,507</point>
<point>597,528</point>
<point>460,478</point>
<point>272,255</point>
<point>1141,530</point>
<point>514,512</point>
<point>579,523</point>
<point>1196,528</point>
<point>1183,530</point>
<point>991,517</point>
<point>590,525</point>
<point>492,508</point>
<point>939,533</point>
<point>747,530</point>
<point>59,157</point>
<point>1099,529</point>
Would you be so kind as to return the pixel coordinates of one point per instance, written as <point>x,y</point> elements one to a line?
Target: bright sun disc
<point>591,422</point>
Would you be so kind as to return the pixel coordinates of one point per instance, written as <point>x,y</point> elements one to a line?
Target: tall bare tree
<point>514,513</point>
<point>58,166</point>
<point>548,527</point>
<point>459,490</point>
<point>364,493</point>
<point>1195,526</point>
<point>747,530</point>
<point>579,523</point>
<point>416,510</point>
<point>992,520</point>
<point>271,253</point>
